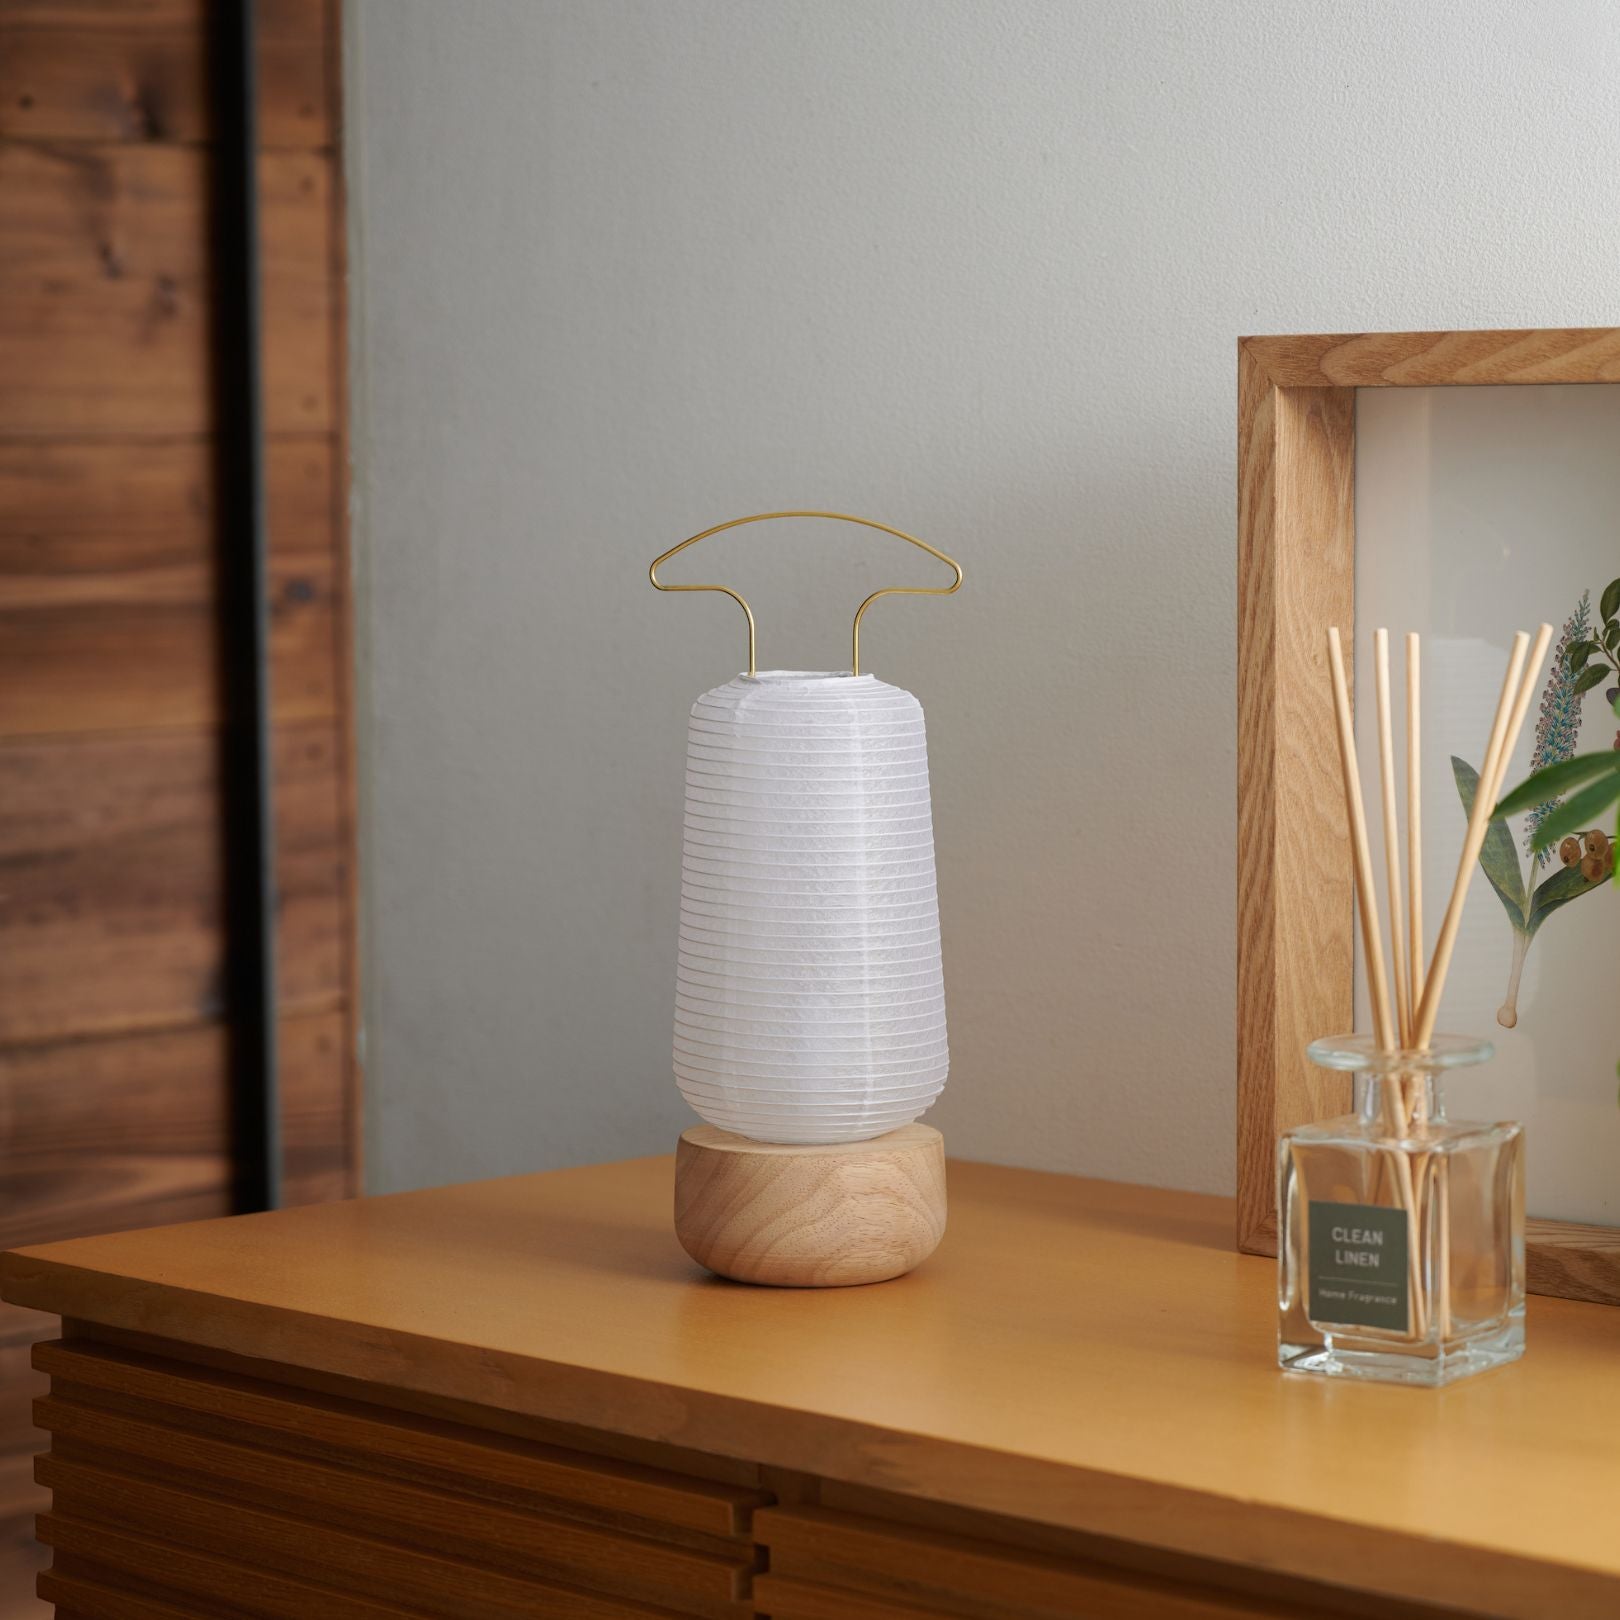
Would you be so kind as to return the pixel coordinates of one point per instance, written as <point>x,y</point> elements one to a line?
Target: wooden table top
<point>1079,1353</point>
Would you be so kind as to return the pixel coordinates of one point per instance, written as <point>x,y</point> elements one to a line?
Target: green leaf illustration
<point>1579,653</point>
<point>1499,860</point>
<point>1564,885</point>
<point>1610,605</point>
<point>1590,677</point>
<point>1578,813</point>
<point>1552,780</point>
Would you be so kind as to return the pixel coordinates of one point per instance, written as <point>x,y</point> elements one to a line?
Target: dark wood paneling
<point>424,1450</point>
<point>87,493</point>
<point>611,1559</point>
<point>112,856</point>
<point>184,1484</point>
<point>357,1564</point>
<point>821,1559</point>
<point>104,320</point>
<point>108,578</point>
<point>151,1111</point>
<point>165,1092</point>
<point>136,70</point>
<point>112,1061</point>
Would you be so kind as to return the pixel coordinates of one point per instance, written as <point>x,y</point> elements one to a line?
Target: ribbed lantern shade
<point>810,1005</point>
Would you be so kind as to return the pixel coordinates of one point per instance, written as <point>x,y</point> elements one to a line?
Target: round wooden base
<point>823,1216</point>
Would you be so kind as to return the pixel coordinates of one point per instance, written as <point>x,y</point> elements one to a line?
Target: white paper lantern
<point>810,1004</point>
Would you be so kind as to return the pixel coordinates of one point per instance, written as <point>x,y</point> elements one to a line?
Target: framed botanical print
<point>1463,484</point>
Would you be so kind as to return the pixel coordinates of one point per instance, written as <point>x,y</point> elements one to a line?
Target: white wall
<point>623,268</point>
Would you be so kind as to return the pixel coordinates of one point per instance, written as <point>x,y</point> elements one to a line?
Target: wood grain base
<point>185,1491</point>
<point>810,1217</point>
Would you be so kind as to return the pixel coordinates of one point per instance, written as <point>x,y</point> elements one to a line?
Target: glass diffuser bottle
<point>1401,1230</point>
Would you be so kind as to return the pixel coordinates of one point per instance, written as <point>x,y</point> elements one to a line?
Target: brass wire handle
<point>840,517</point>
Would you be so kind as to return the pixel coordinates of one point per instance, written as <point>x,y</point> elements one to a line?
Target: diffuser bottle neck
<point>1397,1104</point>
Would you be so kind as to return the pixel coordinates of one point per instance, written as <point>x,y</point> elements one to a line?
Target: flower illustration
<point>1559,724</point>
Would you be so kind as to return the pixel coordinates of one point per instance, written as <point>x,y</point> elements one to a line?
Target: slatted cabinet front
<point>206,1493</point>
<point>195,1486</point>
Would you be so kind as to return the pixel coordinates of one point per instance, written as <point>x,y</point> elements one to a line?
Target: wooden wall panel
<point>104,315</point>
<point>103,1131</point>
<point>108,571</point>
<point>112,1052</point>
<point>136,70</point>
<point>114,918</point>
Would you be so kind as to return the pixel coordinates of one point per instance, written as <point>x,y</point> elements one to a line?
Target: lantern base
<point>821,1216</point>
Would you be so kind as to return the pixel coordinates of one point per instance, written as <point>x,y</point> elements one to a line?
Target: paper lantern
<point>810,1002</point>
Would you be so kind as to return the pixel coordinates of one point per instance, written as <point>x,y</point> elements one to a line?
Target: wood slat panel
<point>111,853</point>
<point>108,578</point>
<point>112,546</point>
<point>72,510</point>
<point>785,1599</point>
<point>129,1131</point>
<point>165,1092</point>
<point>218,1582</point>
<point>348,1430</point>
<point>364,1565</point>
<point>104,321</point>
<point>434,1519</point>
<point>370,1394</point>
<point>841,1550</point>
<point>75,1595</point>
<point>137,70</point>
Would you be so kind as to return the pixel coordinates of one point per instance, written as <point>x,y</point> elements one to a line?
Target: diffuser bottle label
<point>1359,1273</point>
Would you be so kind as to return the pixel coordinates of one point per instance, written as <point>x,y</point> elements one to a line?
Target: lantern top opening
<point>764,675</point>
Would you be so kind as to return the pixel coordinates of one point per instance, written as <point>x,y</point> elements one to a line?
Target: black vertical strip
<point>246,786</point>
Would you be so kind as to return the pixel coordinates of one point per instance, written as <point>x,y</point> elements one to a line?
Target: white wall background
<point>623,268</point>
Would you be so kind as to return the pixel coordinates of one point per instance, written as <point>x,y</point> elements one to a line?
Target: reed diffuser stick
<point>1414,817</point>
<point>1392,839</point>
<point>1390,1093</point>
<point>1371,935</point>
<point>1510,711</point>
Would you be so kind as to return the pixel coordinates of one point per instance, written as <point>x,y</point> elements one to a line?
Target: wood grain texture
<point>360,1564</point>
<point>127,1131</point>
<point>841,1553</point>
<point>1294,950</point>
<point>1296,544</point>
<point>468,1457</point>
<point>1573,1260</point>
<point>137,70</point>
<point>1288,1594</point>
<point>202,1585</point>
<point>1030,1369</point>
<point>784,1598</point>
<point>108,582</point>
<point>104,318</point>
<point>810,1217</point>
<point>108,533</point>
<point>551,1546</point>
<point>1438,359</point>
<point>113,871</point>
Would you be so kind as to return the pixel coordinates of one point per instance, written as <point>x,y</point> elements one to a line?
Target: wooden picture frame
<point>1296,576</point>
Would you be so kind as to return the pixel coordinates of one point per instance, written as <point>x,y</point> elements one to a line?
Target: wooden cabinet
<point>521,1398</point>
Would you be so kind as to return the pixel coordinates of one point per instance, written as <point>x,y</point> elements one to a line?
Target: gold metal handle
<point>840,517</point>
